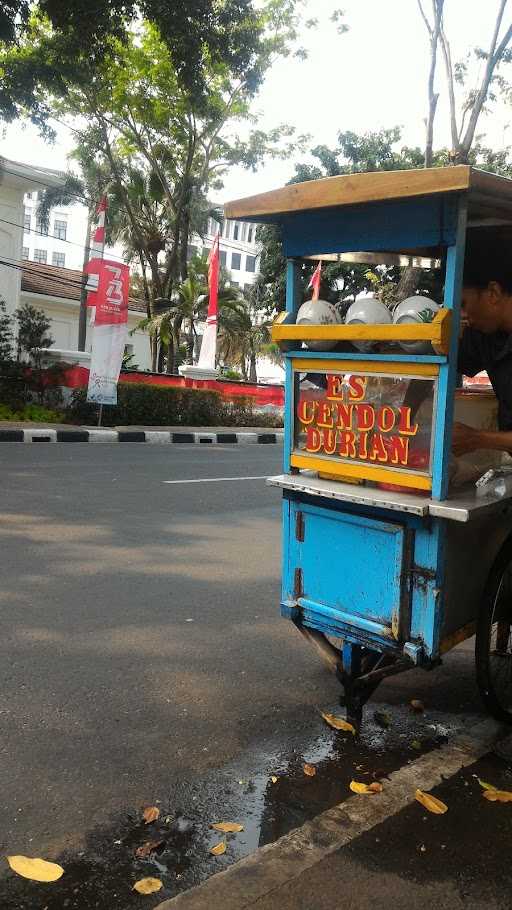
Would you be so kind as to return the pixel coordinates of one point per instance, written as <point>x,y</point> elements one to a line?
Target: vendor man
<point>486,340</point>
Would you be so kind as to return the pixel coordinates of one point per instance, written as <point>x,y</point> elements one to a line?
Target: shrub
<point>152,405</point>
<point>33,412</point>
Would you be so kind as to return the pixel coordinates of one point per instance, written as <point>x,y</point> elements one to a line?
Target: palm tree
<point>189,306</point>
<point>243,337</point>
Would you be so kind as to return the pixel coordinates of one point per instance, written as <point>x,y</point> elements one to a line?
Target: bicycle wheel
<point>493,647</point>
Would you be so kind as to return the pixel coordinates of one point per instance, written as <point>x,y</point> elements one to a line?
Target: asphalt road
<point>143,659</point>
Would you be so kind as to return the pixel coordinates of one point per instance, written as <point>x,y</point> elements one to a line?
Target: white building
<point>62,242</point>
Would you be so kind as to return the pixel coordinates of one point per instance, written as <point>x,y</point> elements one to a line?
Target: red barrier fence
<point>262,394</point>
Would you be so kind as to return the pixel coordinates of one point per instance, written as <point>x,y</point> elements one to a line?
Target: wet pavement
<point>102,873</point>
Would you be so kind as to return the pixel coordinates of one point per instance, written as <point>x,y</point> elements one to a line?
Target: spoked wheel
<point>493,649</point>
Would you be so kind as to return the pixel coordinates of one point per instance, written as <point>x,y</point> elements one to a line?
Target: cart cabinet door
<point>346,573</point>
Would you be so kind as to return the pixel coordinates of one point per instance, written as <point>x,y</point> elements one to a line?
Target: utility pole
<point>82,317</point>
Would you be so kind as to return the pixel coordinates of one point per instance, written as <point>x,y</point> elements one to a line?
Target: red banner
<point>111,296</point>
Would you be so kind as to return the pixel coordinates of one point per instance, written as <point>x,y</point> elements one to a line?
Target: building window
<point>41,228</point>
<point>26,219</point>
<point>24,252</point>
<point>236,231</point>
<point>250,264</point>
<point>59,229</point>
<point>250,233</point>
<point>236,261</point>
<point>28,195</point>
<point>40,256</point>
<point>223,257</point>
<point>59,259</point>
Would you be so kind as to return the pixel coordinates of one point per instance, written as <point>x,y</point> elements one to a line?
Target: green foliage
<point>33,333</point>
<point>198,34</point>
<point>33,412</point>
<point>154,405</point>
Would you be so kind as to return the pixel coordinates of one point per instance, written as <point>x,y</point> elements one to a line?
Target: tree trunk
<point>253,376</point>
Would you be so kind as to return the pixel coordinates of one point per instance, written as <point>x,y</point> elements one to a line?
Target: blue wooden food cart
<point>379,554</point>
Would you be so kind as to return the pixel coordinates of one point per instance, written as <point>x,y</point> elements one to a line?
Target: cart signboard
<point>353,421</point>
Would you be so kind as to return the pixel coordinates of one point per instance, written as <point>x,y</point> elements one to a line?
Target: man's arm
<point>468,439</point>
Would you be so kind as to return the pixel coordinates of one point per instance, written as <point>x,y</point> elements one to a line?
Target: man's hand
<point>465,439</point>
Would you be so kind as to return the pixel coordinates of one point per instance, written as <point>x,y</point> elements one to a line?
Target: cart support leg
<point>352,655</point>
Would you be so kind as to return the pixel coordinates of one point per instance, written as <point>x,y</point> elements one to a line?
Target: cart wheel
<point>493,648</point>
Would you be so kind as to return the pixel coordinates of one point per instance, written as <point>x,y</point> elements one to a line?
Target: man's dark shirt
<point>492,353</point>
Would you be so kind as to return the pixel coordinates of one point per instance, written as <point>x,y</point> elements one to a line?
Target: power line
<point>55,237</point>
<point>15,264</point>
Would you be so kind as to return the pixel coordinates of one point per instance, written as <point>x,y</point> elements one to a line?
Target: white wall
<point>11,207</point>
<point>64,326</point>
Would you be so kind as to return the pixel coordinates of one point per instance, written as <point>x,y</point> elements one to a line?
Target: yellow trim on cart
<point>437,332</point>
<point>366,472</point>
<point>394,368</point>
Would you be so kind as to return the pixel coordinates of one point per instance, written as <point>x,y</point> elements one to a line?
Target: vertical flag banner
<point>110,328</point>
<point>315,281</point>
<point>209,343</point>
<point>97,246</point>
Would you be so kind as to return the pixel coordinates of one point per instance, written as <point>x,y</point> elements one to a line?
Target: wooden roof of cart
<point>489,196</point>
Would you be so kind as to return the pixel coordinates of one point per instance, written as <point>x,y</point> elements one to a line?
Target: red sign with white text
<point>111,296</point>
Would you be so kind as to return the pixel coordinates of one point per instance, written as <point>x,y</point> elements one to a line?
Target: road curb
<point>153,437</point>
<point>270,868</point>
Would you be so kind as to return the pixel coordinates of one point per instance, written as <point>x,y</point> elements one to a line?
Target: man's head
<point>487,282</point>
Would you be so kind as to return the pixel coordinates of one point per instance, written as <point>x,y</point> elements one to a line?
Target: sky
<point>374,76</point>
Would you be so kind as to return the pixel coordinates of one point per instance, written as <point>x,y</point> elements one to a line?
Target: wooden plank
<point>360,470</point>
<point>350,190</point>
<point>317,365</point>
<point>437,332</point>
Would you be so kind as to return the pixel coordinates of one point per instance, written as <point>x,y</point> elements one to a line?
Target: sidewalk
<point>41,432</point>
<point>387,850</point>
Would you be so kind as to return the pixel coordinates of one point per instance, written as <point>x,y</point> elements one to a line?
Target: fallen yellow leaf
<point>485,785</point>
<point>338,723</point>
<point>147,885</point>
<point>150,814</point>
<point>417,705</point>
<point>228,827</point>
<point>431,802</point>
<point>309,770</point>
<point>416,744</point>
<point>38,870</point>
<point>219,849</point>
<point>358,787</point>
<point>274,779</point>
<point>498,796</point>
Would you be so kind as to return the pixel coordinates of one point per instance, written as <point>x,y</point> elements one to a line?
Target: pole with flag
<point>208,351</point>
<point>315,281</point>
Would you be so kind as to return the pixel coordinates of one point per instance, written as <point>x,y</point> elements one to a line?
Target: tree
<point>341,282</point>
<point>188,307</point>
<point>6,334</point>
<point>198,34</point>
<point>33,333</point>
<point>242,338</point>
<point>463,124</point>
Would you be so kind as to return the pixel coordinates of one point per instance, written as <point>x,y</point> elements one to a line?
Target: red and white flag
<point>208,351</point>
<point>315,281</point>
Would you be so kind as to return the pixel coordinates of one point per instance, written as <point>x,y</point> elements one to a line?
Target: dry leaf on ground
<point>147,848</point>
<point>150,814</point>
<point>431,802</point>
<point>498,796</point>
<point>416,744</point>
<point>273,779</point>
<point>228,827</point>
<point>485,785</point>
<point>147,885</point>
<point>417,705</point>
<point>358,787</point>
<point>309,770</point>
<point>38,870</point>
<point>338,723</point>
<point>219,849</point>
